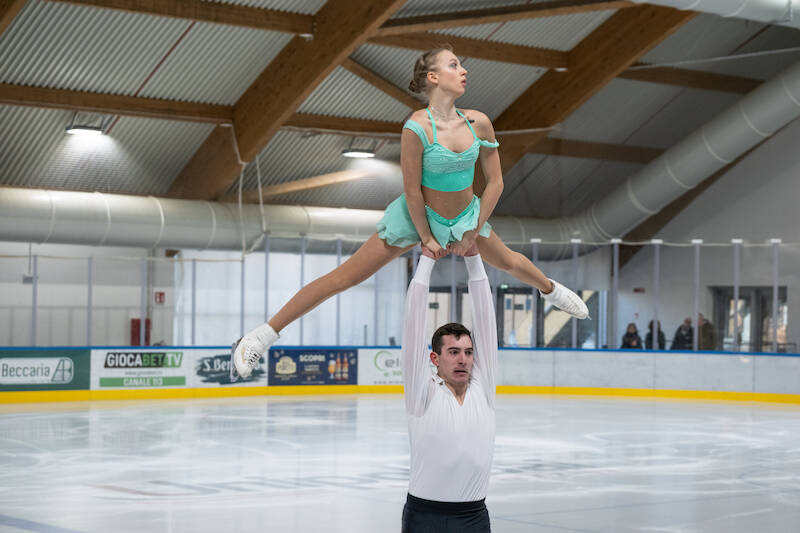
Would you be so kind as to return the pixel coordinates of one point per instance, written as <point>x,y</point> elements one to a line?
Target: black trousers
<point>427,516</point>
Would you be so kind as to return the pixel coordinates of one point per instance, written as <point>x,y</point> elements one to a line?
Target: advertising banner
<point>212,369</point>
<point>32,370</point>
<point>313,366</point>
<point>133,368</point>
<point>380,366</point>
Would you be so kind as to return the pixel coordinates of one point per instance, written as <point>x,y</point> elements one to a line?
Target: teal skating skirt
<point>397,229</point>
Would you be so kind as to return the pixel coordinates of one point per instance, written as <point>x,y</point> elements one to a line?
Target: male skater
<point>451,414</point>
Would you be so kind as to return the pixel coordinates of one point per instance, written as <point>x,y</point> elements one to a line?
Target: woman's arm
<point>490,164</point>
<point>411,166</point>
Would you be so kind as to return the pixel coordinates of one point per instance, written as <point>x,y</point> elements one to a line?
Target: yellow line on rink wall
<point>219,392</point>
<point>654,393</point>
<point>305,390</point>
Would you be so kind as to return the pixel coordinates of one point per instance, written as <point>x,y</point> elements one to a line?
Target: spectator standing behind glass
<point>648,339</point>
<point>706,339</point>
<point>684,336</point>
<point>631,340</point>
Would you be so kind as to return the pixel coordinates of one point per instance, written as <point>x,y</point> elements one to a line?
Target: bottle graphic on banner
<point>338,376</point>
<point>345,369</point>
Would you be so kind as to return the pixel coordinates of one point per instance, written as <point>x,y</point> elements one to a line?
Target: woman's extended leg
<point>496,253</point>
<point>368,259</point>
<point>500,256</point>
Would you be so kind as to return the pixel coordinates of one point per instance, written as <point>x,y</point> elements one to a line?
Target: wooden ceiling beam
<point>478,48</point>
<point>381,83</point>
<point>694,79</point>
<point>301,185</point>
<point>343,125</point>
<point>411,32</point>
<point>498,14</point>
<point>274,20</point>
<point>546,146</point>
<point>282,87</point>
<point>216,114</point>
<point>302,65</point>
<point>604,54</point>
<point>131,106</point>
<point>215,13</point>
<point>9,9</point>
<point>552,59</point>
<point>556,147</point>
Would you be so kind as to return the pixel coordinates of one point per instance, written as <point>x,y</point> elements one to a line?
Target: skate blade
<point>233,374</point>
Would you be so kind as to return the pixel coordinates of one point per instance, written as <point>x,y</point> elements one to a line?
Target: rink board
<point>102,373</point>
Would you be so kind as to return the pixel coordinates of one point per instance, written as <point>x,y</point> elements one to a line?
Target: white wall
<point>755,201</point>
<point>219,293</point>
<point>62,295</point>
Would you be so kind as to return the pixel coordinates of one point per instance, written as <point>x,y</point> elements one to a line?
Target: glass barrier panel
<point>635,296</point>
<point>16,301</point>
<point>116,301</point>
<point>62,301</point>
<point>757,290</point>
<point>677,296</point>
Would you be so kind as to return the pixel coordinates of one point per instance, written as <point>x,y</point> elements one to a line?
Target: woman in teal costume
<point>439,147</point>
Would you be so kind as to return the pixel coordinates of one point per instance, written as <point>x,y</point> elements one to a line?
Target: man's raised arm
<point>484,326</point>
<point>416,368</point>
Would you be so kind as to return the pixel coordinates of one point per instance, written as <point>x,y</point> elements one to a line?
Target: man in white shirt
<point>451,414</point>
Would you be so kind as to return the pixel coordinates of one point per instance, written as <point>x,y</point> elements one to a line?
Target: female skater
<point>439,147</point>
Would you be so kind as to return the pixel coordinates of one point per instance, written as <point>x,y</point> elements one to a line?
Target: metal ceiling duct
<point>100,219</point>
<point>721,141</point>
<point>770,11</point>
<point>117,220</point>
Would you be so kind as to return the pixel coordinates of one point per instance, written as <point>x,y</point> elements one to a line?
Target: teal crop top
<point>443,169</point>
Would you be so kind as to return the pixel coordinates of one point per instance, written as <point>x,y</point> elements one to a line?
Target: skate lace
<point>572,303</point>
<point>569,302</point>
<point>251,357</point>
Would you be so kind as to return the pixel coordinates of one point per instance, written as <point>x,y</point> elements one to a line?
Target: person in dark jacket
<point>631,340</point>
<point>684,336</point>
<point>648,339</point>
<point>707,339</point>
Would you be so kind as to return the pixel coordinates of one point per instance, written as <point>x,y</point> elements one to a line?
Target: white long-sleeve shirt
<point>451,445</point>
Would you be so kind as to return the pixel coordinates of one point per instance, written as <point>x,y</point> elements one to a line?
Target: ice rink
<point>340,464</point>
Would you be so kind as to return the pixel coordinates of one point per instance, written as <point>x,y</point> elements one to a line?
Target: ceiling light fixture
<point>358,153</point>
<point>84,129</point>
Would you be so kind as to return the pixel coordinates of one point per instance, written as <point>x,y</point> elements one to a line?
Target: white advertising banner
<point>134,368</point>
<point>380,366</point>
